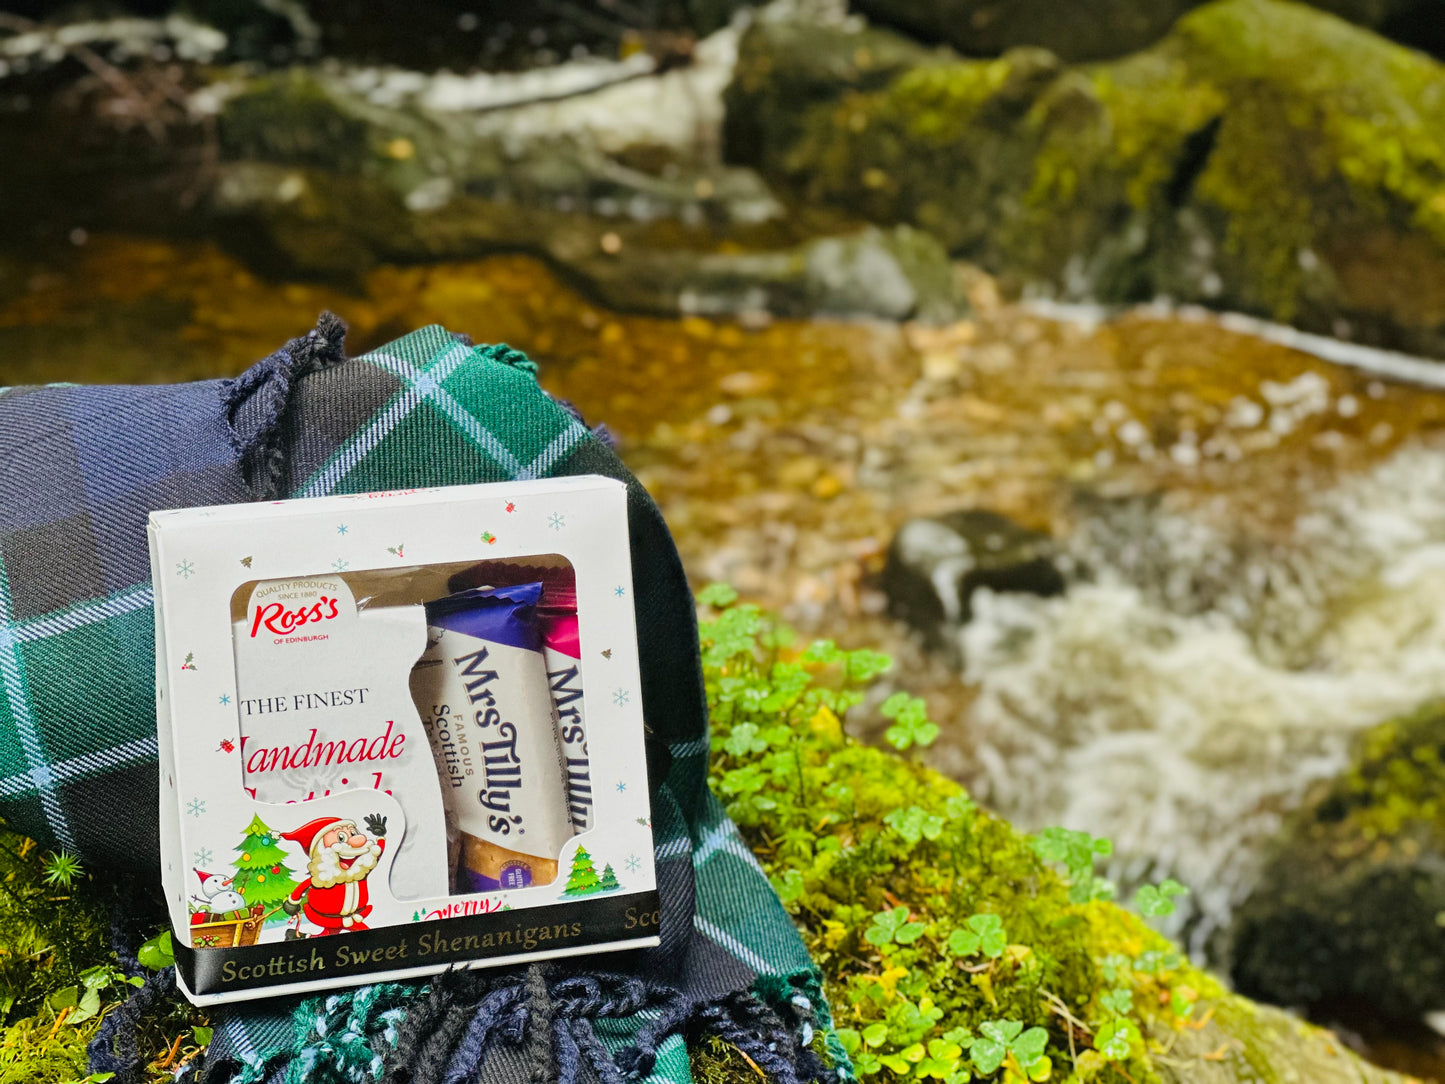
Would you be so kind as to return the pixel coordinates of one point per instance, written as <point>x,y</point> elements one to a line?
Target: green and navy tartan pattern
<point>77,723</point>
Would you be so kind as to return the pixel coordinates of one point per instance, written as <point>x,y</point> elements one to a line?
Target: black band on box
<point>420,944</point>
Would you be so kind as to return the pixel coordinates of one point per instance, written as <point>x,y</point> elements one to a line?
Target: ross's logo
<point>279,619</point>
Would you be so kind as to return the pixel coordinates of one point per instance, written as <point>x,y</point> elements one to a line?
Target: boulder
<point>1102,29</point>
<point>785,68</point>
<point>1079,30</point>
<point>1263,156</point>
<point>935,564</point>
<point>1351,907</point>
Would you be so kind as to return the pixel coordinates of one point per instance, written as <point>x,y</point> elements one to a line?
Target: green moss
<point>1396,780</point>
<point>887,868</point>
<point>54,944</point>
<point>36,1049</point>
<point>290,118</point>
<point>1349,904</point>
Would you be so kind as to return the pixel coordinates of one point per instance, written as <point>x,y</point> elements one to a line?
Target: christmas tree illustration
<point>582,881</point>
<point>609,879</point>
<point>261,873</point>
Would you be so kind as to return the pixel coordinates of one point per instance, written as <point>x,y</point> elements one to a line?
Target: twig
<point>750,1061</point>
<point>58,1021</point>
<point>171,1054</point>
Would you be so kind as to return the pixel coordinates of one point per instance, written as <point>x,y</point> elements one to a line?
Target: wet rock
<point>1081,30</point>
<point>1263,157</point>
<point>935,565</point>
<point>785,67</point>
<point>1349,910</point>
<point>1101,29</point>
<point>326,172</point>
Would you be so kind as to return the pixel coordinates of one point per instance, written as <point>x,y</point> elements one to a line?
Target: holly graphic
<point>582,881</point>
<point>609,879</point>
<point>261,873</point>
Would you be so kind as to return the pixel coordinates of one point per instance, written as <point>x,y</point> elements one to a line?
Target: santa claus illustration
<point>335,896</point>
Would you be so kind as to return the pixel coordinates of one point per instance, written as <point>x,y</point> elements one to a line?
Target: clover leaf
<point>1002,1039</point>
<point>892,926</point>
<point>911,725</point>
<point>981,933</point>
<point>915,823</point>
<point>744,740</point>
<point>1119,1000</point>
<point>1115,1039</point>
<point>1155,900</point>
<point>717,595</point>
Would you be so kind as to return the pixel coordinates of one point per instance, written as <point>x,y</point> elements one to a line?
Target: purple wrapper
<point>504,615</point>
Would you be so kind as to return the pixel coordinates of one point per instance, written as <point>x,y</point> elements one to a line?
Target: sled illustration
<point>231,931</point>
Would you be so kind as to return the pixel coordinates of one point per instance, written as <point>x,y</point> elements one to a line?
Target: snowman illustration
<point>217,897</point>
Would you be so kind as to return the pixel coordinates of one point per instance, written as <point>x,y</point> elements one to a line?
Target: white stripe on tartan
<point>716,933</point>
<point>561,444</point>
<point>234,1028</point>
<point>673,848</point>
<point>684,749</point>
<point>352,452</point>
<point>419,387</point>
<point>476,431</point>
<point>53,624</point>
<point>116,756</point>
<point>40,773</point>
<point>725,838</point>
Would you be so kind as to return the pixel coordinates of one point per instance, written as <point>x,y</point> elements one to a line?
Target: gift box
<point>399,732</point>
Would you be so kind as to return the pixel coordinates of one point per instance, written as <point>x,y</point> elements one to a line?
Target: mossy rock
<point>1263,156</point>
<point>1351,907</point>
<point>889,871</point>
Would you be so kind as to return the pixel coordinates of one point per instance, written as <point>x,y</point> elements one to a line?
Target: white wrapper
<point>322,695</point>
<point>489,717</point>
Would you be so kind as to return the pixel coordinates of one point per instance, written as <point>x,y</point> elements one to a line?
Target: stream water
<point>1187,696</point>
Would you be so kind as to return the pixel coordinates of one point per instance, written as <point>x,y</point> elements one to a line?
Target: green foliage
<point>980,933</point>
<point>911,725</point>
<point>952,950</point>
<point>1077,851</point>
<point>158,952</point>
<point>1155,900</point>
<point>61,870</point>
<point>893,927</point>
<point>58,976</point>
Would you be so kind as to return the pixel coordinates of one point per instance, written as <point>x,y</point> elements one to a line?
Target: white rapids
<point>1183,698</point>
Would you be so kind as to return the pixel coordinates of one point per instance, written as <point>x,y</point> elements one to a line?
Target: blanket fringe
<point>390,1033</point>
<point>260,446</point>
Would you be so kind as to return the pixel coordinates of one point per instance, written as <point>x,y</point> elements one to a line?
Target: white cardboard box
<point>282,702</point>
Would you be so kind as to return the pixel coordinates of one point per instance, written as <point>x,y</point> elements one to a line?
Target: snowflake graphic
<point>619,590</point>
<point>621,787</point>
<point>342,528</point>
<point>185,569</point>
<point>225,699</point>
<point>557,521</point>
<point>633,863</point>
<point>196,808</point>
<point>339,565</point>
<point>621,697</point>
<point>203,857</point>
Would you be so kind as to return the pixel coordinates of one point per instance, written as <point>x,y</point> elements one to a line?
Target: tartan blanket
<point>84,467</point>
